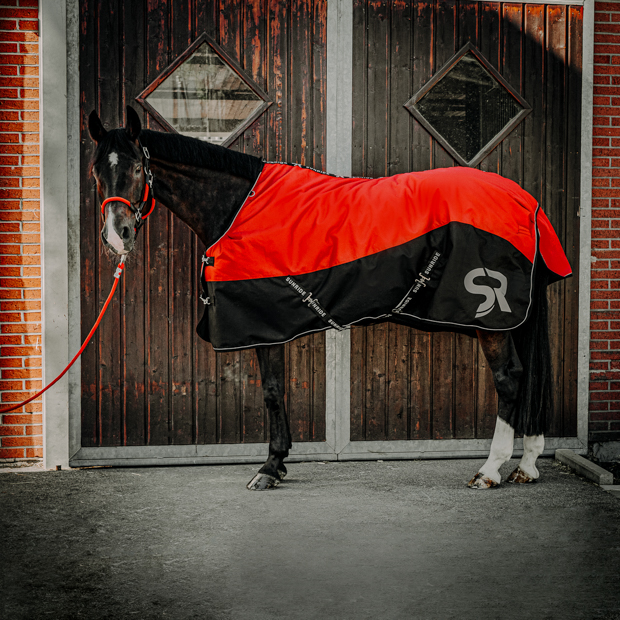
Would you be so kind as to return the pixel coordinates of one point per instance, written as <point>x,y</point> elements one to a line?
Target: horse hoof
<point>480,481</point>
<point>518,476</point>
<point>282,473</point>
<point>262,482</point>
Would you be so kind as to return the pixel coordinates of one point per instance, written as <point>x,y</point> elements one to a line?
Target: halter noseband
<point>147,199</point>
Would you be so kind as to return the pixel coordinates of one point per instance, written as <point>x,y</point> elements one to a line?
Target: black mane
<point>180,149</point>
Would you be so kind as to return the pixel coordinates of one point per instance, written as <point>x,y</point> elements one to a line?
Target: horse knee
<point>272,393</point>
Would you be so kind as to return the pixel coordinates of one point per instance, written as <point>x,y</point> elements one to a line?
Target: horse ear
<point>96,129</point>
<point>133,126</point>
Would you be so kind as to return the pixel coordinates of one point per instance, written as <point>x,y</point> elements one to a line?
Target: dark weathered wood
<point>182,287</point>
<point>158,251</point>
<point>489,42</point>
<point>555,183</point>
<point>134,360</point>
<point>89,229</point>
<point>110,336</point>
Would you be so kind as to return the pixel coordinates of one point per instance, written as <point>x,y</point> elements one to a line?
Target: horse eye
<point>138,170</point>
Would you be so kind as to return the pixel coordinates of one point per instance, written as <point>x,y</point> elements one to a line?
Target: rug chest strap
<point>313,304</point>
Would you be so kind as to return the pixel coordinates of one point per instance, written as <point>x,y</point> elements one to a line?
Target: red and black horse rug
<point>450,249</point>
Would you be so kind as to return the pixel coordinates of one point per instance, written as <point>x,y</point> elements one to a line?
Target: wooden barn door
<point>408,385</point>
<point>148,382</point>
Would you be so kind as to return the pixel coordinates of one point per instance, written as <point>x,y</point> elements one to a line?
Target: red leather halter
<point>147,200</point>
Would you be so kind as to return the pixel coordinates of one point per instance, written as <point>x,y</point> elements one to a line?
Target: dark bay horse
<point>206,186</point>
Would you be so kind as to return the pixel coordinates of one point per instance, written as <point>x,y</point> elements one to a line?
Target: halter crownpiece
<point>147,199</point>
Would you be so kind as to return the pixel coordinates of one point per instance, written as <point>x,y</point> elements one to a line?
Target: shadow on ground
<point>372,540</point>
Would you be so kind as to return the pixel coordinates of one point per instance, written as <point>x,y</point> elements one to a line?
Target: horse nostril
<point>126,233</point>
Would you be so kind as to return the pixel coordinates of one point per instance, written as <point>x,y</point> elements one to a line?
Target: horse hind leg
<point>501,354</point>
<point>271,363</point>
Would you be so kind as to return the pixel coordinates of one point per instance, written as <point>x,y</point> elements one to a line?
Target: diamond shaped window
<point>205,94</point>
<point>468,107</point>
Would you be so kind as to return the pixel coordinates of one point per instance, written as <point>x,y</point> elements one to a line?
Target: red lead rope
<point>117,275</point>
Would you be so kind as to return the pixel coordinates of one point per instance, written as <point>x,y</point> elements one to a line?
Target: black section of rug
<point>455,278</point>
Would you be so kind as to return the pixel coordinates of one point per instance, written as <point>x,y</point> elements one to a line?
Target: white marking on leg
<point>113,159</point>
<point>112,236</point>
<point>533,446</point>
<point>501,450</point>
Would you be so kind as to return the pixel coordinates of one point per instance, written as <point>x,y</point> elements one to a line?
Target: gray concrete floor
<point>371,540</point>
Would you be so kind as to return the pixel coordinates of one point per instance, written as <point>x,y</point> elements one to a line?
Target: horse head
<point>120,167</point>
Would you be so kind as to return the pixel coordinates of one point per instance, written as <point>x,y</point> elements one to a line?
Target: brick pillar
<point>20,250</point>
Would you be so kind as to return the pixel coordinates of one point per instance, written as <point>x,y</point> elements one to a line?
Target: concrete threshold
<point>584,468</point>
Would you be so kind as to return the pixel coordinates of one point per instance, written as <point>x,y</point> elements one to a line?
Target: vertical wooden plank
<point>555,185</point>
<point>399,149</point>
<point>182,290</point>
<point>420,389</point>
<point>443,347</point>
<point>358,382</point>
<point>318,387</point>
<point>571,241</point>
<point>133,281</point>
<point>397,368</point>
<point>317,99</point>
<point>109,334</point>
<point>278,71</point>
<point>300,142</point>
<point>512,63</point>
<point>489,42</point>
<point>464,347</point>
<point>534,94</point>
<point>486,397</point>
<point>445,39</point>
<point>420,356</point>
<point>89,225</point>
<point>158,229</point>
<point>318,83</point>
<point>358,167</point>
<point>422,71</point>
<point>378,70</point>
<point>360,88</point>
<point>207,384</point>
<point>376,386</point>
<point>255,61</point>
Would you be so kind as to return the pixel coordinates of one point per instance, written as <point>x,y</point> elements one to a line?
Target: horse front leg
<point>271,364</point>
<point>501,354</point>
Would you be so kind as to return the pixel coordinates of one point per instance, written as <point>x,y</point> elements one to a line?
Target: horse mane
<point>179,149</point>
<point>188,151</point>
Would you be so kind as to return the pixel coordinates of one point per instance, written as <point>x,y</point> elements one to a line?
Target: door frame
<point>59,23</point>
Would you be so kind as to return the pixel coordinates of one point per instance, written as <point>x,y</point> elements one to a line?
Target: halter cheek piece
<point>148,200</point>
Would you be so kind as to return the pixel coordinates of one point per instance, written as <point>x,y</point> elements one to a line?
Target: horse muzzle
<point>118,233</point>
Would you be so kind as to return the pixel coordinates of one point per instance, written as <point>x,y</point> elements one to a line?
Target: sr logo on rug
<point>492,294</point>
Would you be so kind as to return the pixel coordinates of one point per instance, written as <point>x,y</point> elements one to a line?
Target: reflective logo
<point>492,295</point>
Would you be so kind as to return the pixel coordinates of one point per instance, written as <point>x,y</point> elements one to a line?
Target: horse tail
<point>535,396</point>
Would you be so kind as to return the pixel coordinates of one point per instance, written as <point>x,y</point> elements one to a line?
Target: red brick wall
<point>605,303</point>
<point>20,255</point>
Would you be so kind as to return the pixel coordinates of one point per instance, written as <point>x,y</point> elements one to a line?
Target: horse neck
<point>207,191</point>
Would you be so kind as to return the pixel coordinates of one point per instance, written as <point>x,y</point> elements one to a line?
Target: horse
<point>208,186</point>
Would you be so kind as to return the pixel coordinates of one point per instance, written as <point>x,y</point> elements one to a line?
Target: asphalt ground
<point>354,540</point>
